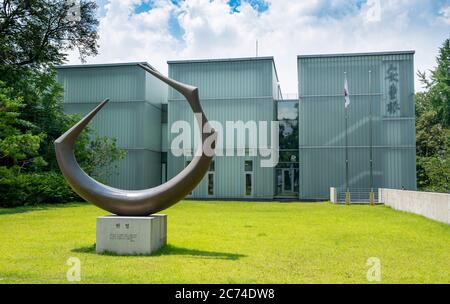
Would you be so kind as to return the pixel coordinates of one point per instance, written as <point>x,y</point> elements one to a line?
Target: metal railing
<point>290,96</point>
<point>357,195</point>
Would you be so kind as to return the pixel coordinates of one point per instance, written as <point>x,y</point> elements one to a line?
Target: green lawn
<point>232,242</point>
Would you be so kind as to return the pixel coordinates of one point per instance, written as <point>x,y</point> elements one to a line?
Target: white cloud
<point>287,113</point>
<point>288,28</point>
<point>445,14</point>
<point>126,36</point>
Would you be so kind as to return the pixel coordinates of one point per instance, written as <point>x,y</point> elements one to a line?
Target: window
<point>248,184</point>
<point>163,167</point>
<point>210,183</point>
<point>288,117</point>
<point>164,113</point>
<point>211,174</point>
<point>248,168</point>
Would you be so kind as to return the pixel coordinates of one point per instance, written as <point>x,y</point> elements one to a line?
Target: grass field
<point>232,242</point>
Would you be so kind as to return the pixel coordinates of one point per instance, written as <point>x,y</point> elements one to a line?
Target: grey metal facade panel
<point>229,174</point>
<point>225,79</point>
<point>230,90</point>
<point>321,168</point>
<point>174,164</point>
<point>92,85</point>
<point>325,75</point>
<point>155,90</point>
<point>229,178</point>
<point>410,52</point>
<point>102,65</point>
<point>135,124</point>
<point>164,137</point>
<point>276,91</point>
<point>141,169</point>
<point>322,122</point>
<point>220,110</point>
<point>121,83</point>
<point>133,116</point>
<point>237,59</point>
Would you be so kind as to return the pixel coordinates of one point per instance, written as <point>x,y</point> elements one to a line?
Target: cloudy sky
<point>159,30</point>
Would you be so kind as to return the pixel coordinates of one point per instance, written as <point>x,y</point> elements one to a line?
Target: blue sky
<point>258,5</point>
<point>176,30</point>
<point>161,30</point>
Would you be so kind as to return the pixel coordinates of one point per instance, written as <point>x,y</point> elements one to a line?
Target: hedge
<point>34,188</point>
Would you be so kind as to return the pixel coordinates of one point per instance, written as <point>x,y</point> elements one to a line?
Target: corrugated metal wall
<point>225,79</point>
<point>229,91</point>
<point>91,84</point>
<point>133,115</point>
<point>322,122</point>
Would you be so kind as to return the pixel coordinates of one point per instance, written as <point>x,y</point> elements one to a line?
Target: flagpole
<point>347,189</point>
<point>371,195</point>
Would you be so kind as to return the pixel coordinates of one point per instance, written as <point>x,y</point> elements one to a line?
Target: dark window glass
<point>164,157</point>
<point>248,166</point>
<point>248,184</point>
<point>289,156</point>
<point>164,113</point>
<point>288,118</point>
<point>288,134</point>
<point>288,110</point>
<point>288,177</point>
<point>287,180</point>
<point>210,184</point>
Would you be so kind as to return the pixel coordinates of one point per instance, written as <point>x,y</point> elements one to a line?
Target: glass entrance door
<point>288,180</point>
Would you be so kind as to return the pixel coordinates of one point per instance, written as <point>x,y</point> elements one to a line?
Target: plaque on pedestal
<point>131,235</point>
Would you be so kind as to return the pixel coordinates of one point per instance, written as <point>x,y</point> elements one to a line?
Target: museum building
<point>316,135</point>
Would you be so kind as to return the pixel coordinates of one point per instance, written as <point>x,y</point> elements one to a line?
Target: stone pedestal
<point>131,235</point>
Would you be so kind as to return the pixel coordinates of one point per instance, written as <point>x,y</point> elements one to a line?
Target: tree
<point>18,146</point>
<point>438,85</point>
<point>28,168</point>
<point>35,35</point>
<point>433,126</point>
<point>102,156</point>
<point>39,32</point>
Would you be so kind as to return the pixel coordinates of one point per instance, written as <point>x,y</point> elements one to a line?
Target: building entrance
<point>287,182</point>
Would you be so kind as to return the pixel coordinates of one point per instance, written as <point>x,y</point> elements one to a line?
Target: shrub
<point>33,188</point>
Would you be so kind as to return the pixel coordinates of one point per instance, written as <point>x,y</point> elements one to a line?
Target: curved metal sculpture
<point>136,202</point>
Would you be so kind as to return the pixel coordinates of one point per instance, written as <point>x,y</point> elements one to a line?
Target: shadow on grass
<point>171,250</point>
<point>6,211</point>
<point>39,207</point>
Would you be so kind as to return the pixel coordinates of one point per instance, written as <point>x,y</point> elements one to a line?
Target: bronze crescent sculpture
<point>137,202</point>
